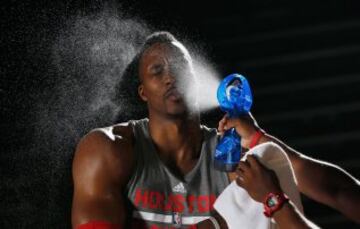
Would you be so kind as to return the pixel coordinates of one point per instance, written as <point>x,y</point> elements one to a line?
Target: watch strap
<point>277,199</point>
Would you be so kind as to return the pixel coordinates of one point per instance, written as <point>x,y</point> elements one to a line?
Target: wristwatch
<point>273,202</point>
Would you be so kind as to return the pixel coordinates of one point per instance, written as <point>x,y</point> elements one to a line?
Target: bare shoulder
<point>102,166</point>
<point>106,150</point>
<point>110,136</point>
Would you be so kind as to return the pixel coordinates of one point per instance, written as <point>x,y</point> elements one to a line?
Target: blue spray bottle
<point>235,98</point>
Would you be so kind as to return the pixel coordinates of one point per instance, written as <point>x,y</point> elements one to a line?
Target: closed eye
<point>157,69</point>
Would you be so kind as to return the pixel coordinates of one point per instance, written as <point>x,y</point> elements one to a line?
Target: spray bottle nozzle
<point>235,98</point>
<point>234,95</point>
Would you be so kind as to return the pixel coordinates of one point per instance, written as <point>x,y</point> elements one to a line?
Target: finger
<point>240,181</point>
<point>222,124</point>
<point>259,164</point>
<point>239,172</point>
<point>244,166</point>
<point>253,161</point>
<point>230,123</point>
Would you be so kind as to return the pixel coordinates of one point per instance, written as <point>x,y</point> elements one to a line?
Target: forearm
<point>323,182</point>
<point>288,217</point>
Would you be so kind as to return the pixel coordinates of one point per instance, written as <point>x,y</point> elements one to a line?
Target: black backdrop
<point>301,57</point>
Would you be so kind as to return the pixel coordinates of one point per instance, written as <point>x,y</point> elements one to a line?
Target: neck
<point>177,138</point>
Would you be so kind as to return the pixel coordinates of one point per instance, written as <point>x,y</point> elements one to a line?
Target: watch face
<point>273,201</point>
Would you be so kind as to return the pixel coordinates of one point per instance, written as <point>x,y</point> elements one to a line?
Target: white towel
<point>236,206</point>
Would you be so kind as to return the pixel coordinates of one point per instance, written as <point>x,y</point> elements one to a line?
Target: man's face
<point>166,75</point>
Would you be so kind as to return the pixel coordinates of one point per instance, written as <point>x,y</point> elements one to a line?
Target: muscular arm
<point>289,217</point>
<point>259,181</point>
<point>321,181</point>
<point>101,168</point>
<point>324,182</point>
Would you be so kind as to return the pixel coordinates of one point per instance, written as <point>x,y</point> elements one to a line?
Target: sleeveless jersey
<point>160,199</point>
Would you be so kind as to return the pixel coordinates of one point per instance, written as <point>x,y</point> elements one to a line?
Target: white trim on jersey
<point>162,218</point>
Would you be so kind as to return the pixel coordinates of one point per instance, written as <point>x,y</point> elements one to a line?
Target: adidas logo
<point>179,188</point>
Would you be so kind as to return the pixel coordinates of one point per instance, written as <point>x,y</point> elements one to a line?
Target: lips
<point>173,93</point>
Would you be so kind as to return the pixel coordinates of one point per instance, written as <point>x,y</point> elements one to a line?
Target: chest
<point>160,197</point>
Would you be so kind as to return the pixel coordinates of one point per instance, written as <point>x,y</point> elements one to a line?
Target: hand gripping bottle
<point>235,98</point>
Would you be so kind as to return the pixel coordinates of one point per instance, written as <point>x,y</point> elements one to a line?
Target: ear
<point>142,93</point>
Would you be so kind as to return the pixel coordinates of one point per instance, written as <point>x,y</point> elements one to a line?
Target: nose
<point>169,78</point>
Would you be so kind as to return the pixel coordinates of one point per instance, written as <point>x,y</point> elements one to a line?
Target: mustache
<point>171,90</point>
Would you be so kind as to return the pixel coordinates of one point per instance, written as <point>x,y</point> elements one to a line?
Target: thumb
<point>230,123</point>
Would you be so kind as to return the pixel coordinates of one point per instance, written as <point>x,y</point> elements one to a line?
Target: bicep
<point>329,184</point>
<point>87,208</point>
<point>323,182</point>
<point>98,183</point>
<point>311,174</point>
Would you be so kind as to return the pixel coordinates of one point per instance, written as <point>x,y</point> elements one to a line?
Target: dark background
<point>302,59</point>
